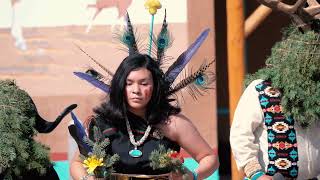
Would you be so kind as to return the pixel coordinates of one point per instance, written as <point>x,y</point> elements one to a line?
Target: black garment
<point>120,144</point>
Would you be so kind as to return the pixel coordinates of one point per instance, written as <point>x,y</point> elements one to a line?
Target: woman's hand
<point>181,130</point>
<point>265,177</point>
<point>176,176</point>
<point>179,176</point>
<point>91,178</point>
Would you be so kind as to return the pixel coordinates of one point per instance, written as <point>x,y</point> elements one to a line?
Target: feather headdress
<point>196,82</point>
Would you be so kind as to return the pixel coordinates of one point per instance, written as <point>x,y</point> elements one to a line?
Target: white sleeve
<point>248,116</point>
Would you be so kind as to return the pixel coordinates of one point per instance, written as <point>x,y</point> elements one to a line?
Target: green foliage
<point>98,149</point>
<point>294,68</point>
<point>19,152</point>
<point>167,160</point>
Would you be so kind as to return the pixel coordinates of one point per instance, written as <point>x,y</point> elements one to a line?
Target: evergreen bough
<point>19,152</point>
<point>294,68</point>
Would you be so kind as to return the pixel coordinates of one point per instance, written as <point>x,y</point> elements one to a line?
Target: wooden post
<point>235,39</point>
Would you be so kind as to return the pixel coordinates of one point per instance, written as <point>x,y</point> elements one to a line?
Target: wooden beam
<point>235,40</point>
<point>256,18</point>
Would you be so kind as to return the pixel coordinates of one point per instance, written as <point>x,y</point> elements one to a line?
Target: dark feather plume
<point>94,81</point>
<point>184,58</point>
<point>78,133</point>
<point>94,74</point>
<point>110,74</point>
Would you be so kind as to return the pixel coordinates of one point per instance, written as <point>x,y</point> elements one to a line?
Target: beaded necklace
<point>136,152</point>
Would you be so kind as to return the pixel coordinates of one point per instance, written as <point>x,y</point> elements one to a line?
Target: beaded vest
<point>282,142</point>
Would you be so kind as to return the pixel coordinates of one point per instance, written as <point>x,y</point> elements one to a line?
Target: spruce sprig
<point>98,146</point>
<point>168,160</point>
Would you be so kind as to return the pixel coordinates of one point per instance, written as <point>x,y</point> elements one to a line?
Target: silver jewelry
<point>136,152</point>
<point>157,134</point>
<point>85,177</point>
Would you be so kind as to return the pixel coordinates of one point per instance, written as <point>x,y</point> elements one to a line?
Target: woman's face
<point>139,88</point>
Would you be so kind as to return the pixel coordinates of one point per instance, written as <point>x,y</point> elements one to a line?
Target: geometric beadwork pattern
<point>282,141</point>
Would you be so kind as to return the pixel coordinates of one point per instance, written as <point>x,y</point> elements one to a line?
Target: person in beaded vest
<point>276,128</point>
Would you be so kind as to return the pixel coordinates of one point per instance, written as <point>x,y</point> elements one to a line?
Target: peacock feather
<point>128,37</point>
<point>198,82</point>
<point>164,40</point>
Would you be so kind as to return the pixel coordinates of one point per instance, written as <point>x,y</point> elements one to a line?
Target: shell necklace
<point>136,152</point>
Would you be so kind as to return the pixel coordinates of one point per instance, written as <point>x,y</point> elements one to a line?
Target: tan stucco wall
<point>203,112</point>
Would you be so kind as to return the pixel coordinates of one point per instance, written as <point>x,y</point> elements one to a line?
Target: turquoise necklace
<point>136,152</point>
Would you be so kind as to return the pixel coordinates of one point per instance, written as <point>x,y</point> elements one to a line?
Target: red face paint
<point>139,88</point>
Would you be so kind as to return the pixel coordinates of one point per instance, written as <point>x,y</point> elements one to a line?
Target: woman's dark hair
<point>158,108</point>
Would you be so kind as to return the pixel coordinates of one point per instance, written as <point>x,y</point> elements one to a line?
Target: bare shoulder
<point>178,118</point>
<point>175,125</point>
<point>175,121</point>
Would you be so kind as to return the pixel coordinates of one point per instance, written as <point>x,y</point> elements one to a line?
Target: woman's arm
<point>181,130</point>
<point>77,170</point>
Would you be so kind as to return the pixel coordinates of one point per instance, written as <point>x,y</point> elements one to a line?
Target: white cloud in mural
<point>51,13</point>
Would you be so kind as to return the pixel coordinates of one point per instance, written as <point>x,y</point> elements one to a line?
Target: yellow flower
<point>92,162</point>
<point>153,6</point>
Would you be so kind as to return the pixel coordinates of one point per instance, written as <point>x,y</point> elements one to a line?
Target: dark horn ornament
<point>44,126</point>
